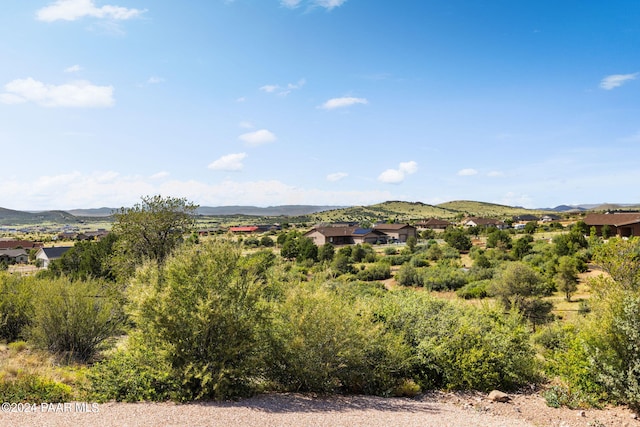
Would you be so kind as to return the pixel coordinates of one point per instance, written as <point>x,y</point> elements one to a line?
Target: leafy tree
<point>307,250</point>
<point>606,231</point>
<point>16,305</point>
<point>499,239</point>
<point>407,275</point>
<point>569,243</point>
<point>326,252</point>
<point>151,230</point>
<point>621,259</point>
<point>457,238</point>
<point>86,260</point>
<point>341,264</point>
<point>266,241</point>
<point>519,286</point>
<point>411,243</point>
<point>290,248</point>
<point>530,227</point>
<point>522,246</point>
<point>567,276</point>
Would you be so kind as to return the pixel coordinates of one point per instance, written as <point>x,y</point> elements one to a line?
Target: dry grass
<point>17,359</point>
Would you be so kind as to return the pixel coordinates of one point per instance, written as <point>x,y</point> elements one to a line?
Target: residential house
<point>345,235</point>
<point>46,255</point>
<point>397,232</point>
<point>19,244</point>
<point>620,224</point>
<point>14,256</point>
<point>484,222</point>
<point>433,224</point>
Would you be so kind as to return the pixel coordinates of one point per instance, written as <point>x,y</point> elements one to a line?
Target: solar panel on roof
<point>362,231</point>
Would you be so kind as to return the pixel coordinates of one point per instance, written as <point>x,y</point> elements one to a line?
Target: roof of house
<point>13,244</point>
<point>12,253</point>
<point>245,229</point>
<point>615,219</point>
<point>393,227</point>
<point>343,231</point>
<point>55,252</point>
<point>483,221</point>
<point>434,222</point>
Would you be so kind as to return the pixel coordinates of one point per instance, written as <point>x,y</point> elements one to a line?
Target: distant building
<point>46,255</point>
<point>620,224</point>
<point>484,222</point>
<point>398,232</point>
<point>345,235</point>
<point>433,224</point>
<point>14,256</point>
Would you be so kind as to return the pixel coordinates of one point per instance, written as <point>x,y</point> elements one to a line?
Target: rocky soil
<point>432,409</point>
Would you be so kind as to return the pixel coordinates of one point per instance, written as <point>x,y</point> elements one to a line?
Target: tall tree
<point>152,229</point>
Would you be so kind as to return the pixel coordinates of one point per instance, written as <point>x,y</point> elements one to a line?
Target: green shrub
<point>458,347</point>
<point>326,343</point>
<point>75,318</point>
<point>202,312</point>
<point>474,290</point>
<point>380,271</point>
<point>31,388</point>
<point>133,375</point>
<point>16,306</point>
<point>443,277</point>
<point>408,275</point>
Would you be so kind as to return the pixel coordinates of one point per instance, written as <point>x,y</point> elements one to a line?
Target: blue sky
<point>323,102</point>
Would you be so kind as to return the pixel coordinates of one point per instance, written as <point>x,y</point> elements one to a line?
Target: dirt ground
<point>434,409</point>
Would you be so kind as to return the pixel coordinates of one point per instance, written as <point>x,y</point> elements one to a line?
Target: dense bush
<point>457,347</point>
<point>474,290</point>
<point>202,313</point>
<point>16,306</point>
<point>379,271</point>
<point>443,277</point>
<point>325,343</point>
<point>75,318</point>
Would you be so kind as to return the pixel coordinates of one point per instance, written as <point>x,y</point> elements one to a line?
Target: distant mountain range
<point>398,210</point>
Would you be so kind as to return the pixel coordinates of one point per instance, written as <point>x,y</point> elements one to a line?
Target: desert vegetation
<point>153,312</point>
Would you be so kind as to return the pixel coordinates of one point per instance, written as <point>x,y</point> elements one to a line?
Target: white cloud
<point>73,69</point>
<point>230,162</point>
<point>396,176</point>
<point>333,177</point>
<point>615,80</point>
<point>467,172</point>
<point>290,3</point>
<point>160,175</point>
<point>74,94</point>
<point>327,4</point>
<point>283,90</point>
<point>155,80</point>
<point>495,174</point>
<point>258,137</point>
<point>342,102</point>
<point>71,10</point>
<point>79,190</point>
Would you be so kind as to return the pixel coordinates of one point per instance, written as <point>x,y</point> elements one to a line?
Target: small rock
<point>634,416</point>
<point>498,396</point>
<point>582,414</point>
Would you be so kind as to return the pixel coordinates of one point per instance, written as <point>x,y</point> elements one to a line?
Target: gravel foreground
<point>433,409</point>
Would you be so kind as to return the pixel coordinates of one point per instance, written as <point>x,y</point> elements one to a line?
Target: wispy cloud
<point>73,69</point>
<point>75,189</point>
<point>467,172</point>
<point>327,4</point>
<point>154,80</point>
<point>616,80</point>
<point>160,175</point>
<point>495,174</point>
<point>343,102</point>
<point>259,137</point>
<point>75,94</point>
<point>396,176</point>
<point>71,10</point>
<point>230,162</point>
<point>283,90</point>
<point>333,177</point>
